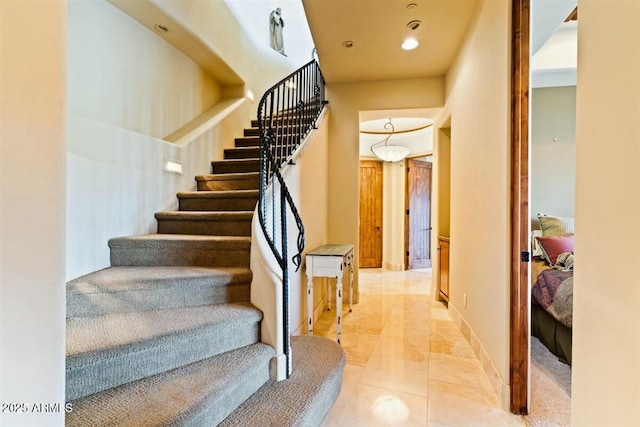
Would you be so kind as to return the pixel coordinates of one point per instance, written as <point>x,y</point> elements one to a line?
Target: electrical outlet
<point>464,300</point>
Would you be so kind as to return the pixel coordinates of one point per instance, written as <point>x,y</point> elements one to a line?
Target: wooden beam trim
<point>519,307</point>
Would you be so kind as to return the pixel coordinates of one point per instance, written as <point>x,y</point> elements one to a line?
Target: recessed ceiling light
<point>411,7</point>
<point>414,25</point>
<point>161,28</point>
<point>410,43</point>
<point>348,44</point>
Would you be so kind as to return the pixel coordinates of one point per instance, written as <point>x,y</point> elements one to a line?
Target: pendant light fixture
<point>389,152</point>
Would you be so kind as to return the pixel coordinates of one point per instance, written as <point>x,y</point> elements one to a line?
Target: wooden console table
<point>329,261</point>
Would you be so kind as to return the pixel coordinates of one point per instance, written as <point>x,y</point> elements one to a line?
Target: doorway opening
<point>395,197</point>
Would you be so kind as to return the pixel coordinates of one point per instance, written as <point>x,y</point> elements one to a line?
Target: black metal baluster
<point>286,113</point>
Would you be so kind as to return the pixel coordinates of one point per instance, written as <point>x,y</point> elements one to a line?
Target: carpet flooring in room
<point>550,389</point>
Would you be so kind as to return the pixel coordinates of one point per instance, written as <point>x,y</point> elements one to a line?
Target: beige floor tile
<point>408,363</point>
<point>457,370</point>
<point>412,331</point>
<point>461,406</point>
<point>350,379</point>
<point>358,347</point>
<point>438,313</point>
<point>446,338</point>
<point>445,327</point>
<point>448,345</point>
<point>404,317</point>
<point>415,303</point>
<point>374,406</point>
<point>404,348</point>
<point>396,374</point>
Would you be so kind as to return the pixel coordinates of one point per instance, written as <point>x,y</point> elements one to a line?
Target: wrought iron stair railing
<point>286,114</point>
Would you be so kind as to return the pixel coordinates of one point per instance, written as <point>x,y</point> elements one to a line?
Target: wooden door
<point>370,214</point>
<point>443,246</point>
<point>418,215</point>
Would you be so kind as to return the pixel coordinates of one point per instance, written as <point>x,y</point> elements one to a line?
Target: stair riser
<point>175,256</point>
<point>255,132</point>
<point>229,184</point>
<point>158,298</point>
<point>281,120</point>
<point>247,142</point>
<point>92,373</point>
<point>218,204</point>
<point>235,167</point>
<point>205,227</point>
<point>247,153</point>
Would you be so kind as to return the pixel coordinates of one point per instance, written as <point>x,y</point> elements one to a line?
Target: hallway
<point>407,363</point>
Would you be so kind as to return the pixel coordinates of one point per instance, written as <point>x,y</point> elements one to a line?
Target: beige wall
<point>32,213</point>
<point>478,109</point>
<point>216,26</point>
<point>553,152</point>
<point>123,74</point>
<point>346,100</point>
<point>393,217</point>
<point>606,337</point>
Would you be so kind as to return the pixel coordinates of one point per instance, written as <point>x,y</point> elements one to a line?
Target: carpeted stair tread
<point>206,216</point>
<point>222,223</point>
<point>234,200</point>
<point>228,176</point>
<point>180,249</point>
<point>199,394</point>
<point>235,165</point>
<point>222,194</point>
<point>126,289</point>
<point>281,129</point>
<point>242,153</point>
<point>248,141</point>
<point>114,349</point>
<point>228,181</point>
<point>305,398</point>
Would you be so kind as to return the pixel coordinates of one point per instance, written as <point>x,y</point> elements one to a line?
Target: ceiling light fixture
<point>348,44</point>
<point>410,44</point>
<point>161,28</point>
<point>414,25</point>
<point>389,152</point>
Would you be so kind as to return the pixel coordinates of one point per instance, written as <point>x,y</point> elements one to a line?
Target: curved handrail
<point>286,114</point>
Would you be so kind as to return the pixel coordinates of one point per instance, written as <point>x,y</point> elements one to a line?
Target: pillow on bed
<point>555,225</point>
<point>536,250</point>
<point>552,246</point>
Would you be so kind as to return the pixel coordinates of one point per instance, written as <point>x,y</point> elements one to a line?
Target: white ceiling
<point>378,27</point>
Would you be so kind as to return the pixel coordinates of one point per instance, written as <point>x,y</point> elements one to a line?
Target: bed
<point>552,290</point>
<point>552,309</point>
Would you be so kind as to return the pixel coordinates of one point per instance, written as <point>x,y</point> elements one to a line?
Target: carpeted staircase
<point>167,335</point>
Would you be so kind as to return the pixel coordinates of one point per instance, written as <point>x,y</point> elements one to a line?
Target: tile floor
<point>407,363</point>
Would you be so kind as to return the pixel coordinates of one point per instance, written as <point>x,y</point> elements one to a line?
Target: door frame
<point>519,283</point>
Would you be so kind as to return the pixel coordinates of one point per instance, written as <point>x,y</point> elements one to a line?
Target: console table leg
<point>310,304</point>
<point>339,306</point>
